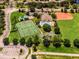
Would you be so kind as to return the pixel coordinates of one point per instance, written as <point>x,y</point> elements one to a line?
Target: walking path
<point>56,54</point>
<point>6,32</point>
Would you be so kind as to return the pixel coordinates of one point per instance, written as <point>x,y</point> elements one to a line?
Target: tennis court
<point>27,28</point>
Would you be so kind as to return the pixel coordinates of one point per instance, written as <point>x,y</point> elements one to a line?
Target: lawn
<point>14,20</point>
<point>69,30</point>
<point>27,28</point>
<point>56,57</point>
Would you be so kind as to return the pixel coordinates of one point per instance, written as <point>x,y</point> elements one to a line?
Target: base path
<point>64,16</point>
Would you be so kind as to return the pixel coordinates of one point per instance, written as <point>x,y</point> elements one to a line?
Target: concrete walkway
<point>56,54</point>
<point>6,32</point>
<point>9,52</point>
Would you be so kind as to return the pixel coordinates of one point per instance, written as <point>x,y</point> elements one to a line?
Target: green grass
<point>56,57</point>
<point>69,30</point>
<point>62,49</point>
<point>14,35</point>
<point>14,19</point>
<point>27,28</point>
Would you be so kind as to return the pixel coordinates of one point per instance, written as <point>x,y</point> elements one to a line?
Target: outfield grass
<point>14,20</point>
<point>69,30</point>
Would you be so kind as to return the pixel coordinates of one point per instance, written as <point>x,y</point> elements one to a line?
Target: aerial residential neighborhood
<point>39,29</point>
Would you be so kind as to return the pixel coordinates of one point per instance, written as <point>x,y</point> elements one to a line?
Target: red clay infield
<point>63,16</point>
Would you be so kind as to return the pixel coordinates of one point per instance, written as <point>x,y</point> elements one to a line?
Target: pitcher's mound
<point>63,16</point>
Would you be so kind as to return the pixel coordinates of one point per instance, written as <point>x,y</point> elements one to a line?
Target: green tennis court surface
<point>27,28</point>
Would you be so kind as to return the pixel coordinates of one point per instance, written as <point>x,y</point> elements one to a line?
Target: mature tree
<point>36,40</point>
<point>27,13</point>
<point>70,1</point>
<point>57,30</point>
<point>6,41</point>
<point>35,14</point>
<point>32,9</point>
<point>65,10</point>
<point>62,10</point>
<point>46,42</point>
<point>53,16</point>
<point>47,27</point>
<point>50,4</point>
<point>76,43</point>
<point>32,4</point>
<point>33,57</point>
<point>67,43</point>
<point>29,42</point>
<point>57,42</point>
<point>72,10</point>
<point>34,48</point>
<point>15,41</point>
<point>76,10</point>
<point>22,41</point>
<point>75,6</point>
<point>39,5</point>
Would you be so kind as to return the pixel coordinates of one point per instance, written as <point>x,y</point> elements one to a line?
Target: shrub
<point>29,42</point>
<point>47,27</point>
<point>65,10</point>
<point>15,41</point>
<point>34,57</point>
<point>53,16</point>
<point>67,43</point>
<point>72,10</point>
<point>76,43</point>
<point>57,42</point>
<point>6,41</point>
<point>22,41</point>
<point>62,10</point>
<point>46,42</point>
<point>57,30</point>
